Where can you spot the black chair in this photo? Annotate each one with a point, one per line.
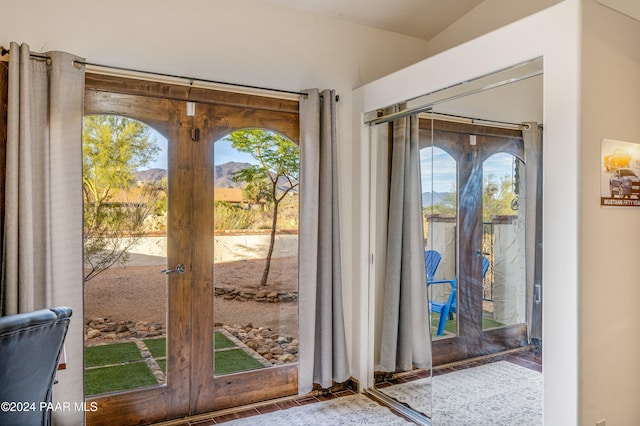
(30, 347)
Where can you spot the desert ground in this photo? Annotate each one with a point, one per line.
(138, 293)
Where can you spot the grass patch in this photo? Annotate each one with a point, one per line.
(221, 341)
(111, 354)
(119, 377)
(134, 372)
(157, 347)
(234, 360)
(451, 325)
(489, 323)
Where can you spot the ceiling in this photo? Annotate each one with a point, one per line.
(425, 19)
(416, 18)
(628, 7)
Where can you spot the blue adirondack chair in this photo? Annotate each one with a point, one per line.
(431, 262)
(448, 308)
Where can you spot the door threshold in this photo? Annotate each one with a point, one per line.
(344, 389)
(482, 357)
(399, 408)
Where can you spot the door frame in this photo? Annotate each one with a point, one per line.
(454, 138)
(191, 387)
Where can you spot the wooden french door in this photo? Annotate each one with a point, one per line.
(191, 130)
(470, 146)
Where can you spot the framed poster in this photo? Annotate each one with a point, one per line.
(620, 174)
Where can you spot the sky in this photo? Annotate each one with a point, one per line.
(437, 162)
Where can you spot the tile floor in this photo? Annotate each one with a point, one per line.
(530, 357)
(214, 419)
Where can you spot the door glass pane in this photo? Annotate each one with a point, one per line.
(125, 210)
(503, 241)
(439, 201)
(255, 251)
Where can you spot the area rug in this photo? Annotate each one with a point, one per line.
(496, 394)
(346, 410)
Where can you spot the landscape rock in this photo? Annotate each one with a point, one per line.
(92, 333)
(275, 347)
(106, 329)
(230, 293)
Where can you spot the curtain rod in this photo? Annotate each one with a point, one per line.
(190, 79)
(4, 51)
(472, 120)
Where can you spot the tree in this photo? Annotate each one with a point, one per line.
(114, 147)
(497, 197)
(257, 188)
(447, 207)
(278, 162)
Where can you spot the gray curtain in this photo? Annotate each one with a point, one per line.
(43, 198)
(42, 241)
(406, 338)
(322, 353)
(532, 136)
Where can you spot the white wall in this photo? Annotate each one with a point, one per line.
(609, 290)
(243, 41)
(523, 40)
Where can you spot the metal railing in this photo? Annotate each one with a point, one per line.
(487, 249)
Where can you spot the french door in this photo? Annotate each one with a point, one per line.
(191, 120)
(482, 323)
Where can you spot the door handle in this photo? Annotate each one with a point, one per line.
(180, 269)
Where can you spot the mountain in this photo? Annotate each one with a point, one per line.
(433, 198)
(149, 176)
(223, 176)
